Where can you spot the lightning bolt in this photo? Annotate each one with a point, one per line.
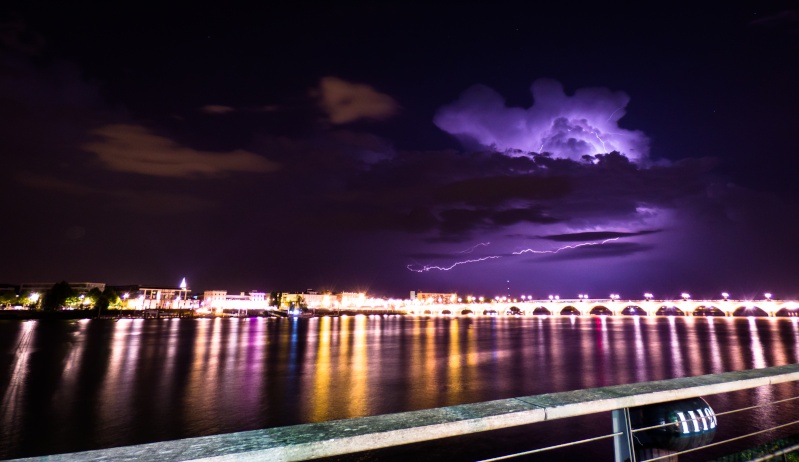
(565, 247)
(611, 114)
(472, 248)
(604, 149)
(426, 268)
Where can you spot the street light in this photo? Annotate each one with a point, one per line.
(768, 295)
(685, 296)
(725, 295)
(648, 296)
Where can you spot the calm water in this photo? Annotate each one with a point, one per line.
(71, 386)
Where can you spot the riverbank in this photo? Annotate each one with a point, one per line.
(158, 314)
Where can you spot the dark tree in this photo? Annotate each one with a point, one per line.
(102, 299)
(99, 300)
(111, 295)
(8, 298)
(56, 297)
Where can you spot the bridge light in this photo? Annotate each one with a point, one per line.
(685, 296)
(648, 296)
(551, 297)
(768, 295)
(557, 297)
(725, 295)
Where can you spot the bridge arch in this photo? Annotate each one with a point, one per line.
(427, 312)
(570, 311)
(490, 312)
(708, 310)
(541, 311)
(633, 310)
(669, 310)
(787, 312)
(514, 311)
(749, 311)
(446, 312)
(467, 312)
(600, 310)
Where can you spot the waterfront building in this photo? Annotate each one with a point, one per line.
(351, 299)
(152, 298)
(307, 299)
(326, 300)
(218, 301)
(430, 297)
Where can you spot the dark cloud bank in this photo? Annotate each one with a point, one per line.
(338, 206)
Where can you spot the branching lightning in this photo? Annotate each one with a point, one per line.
(425, 268)
(604, 149)
(472, 248)
(565, 247)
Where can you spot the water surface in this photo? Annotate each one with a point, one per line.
(75, 385)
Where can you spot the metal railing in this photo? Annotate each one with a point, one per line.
(340, 437)
(625, 436)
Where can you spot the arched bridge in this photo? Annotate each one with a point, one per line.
(611, 307)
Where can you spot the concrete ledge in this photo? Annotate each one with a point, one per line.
(309, 441)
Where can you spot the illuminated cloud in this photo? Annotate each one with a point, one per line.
(132, 148)
(595, 235)
(346, 102)
(585, 123)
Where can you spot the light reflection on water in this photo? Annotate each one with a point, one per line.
(70, 386)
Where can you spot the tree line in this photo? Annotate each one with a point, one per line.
(60, 296)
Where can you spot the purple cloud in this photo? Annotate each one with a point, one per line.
(585, 123)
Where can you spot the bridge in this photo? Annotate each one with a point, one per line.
(611, 307)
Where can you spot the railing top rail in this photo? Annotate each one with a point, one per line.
(323, 439)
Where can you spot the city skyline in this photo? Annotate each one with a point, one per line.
(495, 149)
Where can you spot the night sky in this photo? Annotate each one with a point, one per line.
(398, 146)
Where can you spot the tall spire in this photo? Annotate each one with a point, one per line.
(183, 285)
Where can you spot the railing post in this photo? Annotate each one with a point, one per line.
(622, 444)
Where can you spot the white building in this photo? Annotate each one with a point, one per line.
(162, 298)
(218, 301)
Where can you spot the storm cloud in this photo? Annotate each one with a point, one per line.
(586, 123)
